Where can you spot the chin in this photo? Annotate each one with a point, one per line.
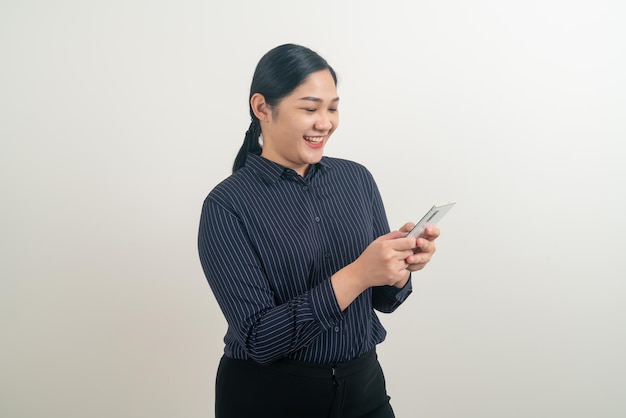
(314, 159)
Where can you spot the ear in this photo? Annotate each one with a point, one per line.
(260, 109)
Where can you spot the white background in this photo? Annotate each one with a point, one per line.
(118, 117)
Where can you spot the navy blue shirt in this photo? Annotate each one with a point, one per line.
(269, 241)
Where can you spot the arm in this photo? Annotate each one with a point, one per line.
(387, 298)
(389, 274)
(380, 266)
(265, 330)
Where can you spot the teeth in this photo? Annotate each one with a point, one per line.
(314, 139)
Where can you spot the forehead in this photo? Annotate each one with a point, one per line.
(319, 84)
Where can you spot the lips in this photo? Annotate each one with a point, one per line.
(314, 140)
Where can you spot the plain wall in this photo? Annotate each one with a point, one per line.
(118, 117)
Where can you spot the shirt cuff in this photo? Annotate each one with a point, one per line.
(395, 296)
(404, 292)
(324, 305)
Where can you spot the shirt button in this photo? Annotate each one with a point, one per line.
(317, 219)
(336, 329)
(327, 255)
(305, 188)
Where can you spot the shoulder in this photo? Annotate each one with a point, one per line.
(342, 163)
(347, 168)
(233, 187)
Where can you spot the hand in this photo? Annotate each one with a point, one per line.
(424, 247)
(388, 260)
(383, 261)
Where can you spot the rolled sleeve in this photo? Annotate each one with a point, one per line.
(388, 298)
(324, 305)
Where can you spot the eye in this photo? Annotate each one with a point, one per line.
(333, 110)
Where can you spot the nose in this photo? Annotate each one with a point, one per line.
(324, 122)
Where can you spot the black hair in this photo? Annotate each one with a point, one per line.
(280, 71)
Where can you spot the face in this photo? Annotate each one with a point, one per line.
(296, 131)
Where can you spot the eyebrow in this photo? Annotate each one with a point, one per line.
(317, 99)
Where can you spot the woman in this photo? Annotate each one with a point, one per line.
(297, 250)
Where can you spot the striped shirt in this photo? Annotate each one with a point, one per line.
(269, 240)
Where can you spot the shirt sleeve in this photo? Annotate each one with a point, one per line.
(265, 331)
(385, 298)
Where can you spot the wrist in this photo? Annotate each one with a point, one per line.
(346, 285)
(400, 284)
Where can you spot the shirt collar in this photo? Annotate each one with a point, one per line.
(271, 171)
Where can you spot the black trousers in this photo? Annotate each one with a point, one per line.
(292, 389)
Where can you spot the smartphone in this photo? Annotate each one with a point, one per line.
(433, 216)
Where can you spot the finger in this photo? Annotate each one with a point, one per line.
(411, 267)
(401, 242)
(391, 236)
(406, 228)
(425, 246)
(431, 233)
(415, 266)
(422, 258)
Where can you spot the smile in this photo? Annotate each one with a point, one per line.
(314, 139)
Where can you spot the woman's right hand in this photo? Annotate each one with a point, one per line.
(383, 263)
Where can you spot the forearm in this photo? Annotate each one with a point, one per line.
(271, 332)
(279, 332)
(347, 285)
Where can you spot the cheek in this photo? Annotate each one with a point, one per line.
(289, 129)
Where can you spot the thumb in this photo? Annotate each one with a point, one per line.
(392, 235)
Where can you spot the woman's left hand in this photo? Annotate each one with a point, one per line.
(424, 247)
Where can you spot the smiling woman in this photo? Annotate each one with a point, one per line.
(296, 129)
(297, 250)
(278, 74)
